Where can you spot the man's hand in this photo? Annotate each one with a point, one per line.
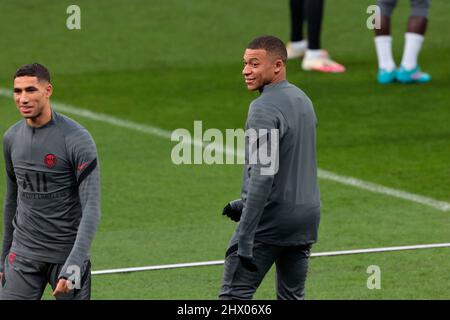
(233, 210)
(248, 264)
(62, 287)
(1, 276)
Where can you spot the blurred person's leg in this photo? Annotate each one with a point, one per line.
(296, 48)
(297, 8)
(409, 70)
(315, 58)
(314, 9)
(383, 43)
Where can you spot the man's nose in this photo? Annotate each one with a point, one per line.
(23, 98)
(246, 70)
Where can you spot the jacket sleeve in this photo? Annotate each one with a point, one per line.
(262, 141)
(10, 204)
(87, 172)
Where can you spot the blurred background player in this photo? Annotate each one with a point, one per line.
(409, 71)
(314, 59)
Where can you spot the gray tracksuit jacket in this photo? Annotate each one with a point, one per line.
(281, 208)
(52, 202)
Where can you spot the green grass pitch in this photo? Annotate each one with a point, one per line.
(168, 63)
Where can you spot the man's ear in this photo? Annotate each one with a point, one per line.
(49, 90)
(278, 65)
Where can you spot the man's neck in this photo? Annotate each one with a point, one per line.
(281, 76)
(44, 118)
(274, 81)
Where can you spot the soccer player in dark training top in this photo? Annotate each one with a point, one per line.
(279, 211)
(52, 202)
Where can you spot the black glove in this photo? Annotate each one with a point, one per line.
(233, 210)
(248, 264)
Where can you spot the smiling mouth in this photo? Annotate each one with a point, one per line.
(26, 109)
(249, 80)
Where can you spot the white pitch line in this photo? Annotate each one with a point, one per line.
(323, 174)
(160, 267)
(315, 255)
(376, 188)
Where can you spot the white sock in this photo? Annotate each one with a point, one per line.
(413, 44)
(312, 54)
(299, 45)
(383, 45)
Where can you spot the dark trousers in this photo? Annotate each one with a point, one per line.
(312, 12)
(291, 266)
(26, 279)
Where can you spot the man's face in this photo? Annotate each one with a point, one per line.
(31, 96)
(259, 68)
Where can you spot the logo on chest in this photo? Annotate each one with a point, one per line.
(50, 160)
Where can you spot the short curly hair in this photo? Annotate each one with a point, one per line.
(33, 70)
(271, 44)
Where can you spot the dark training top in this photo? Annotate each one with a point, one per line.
(281, 208)
(52, 203)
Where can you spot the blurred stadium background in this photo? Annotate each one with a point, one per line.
(167, 63)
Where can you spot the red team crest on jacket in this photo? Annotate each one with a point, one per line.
(12, 257)
(50, 161)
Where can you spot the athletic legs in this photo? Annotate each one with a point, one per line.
(26, 279)
(409, 70)
(292, 268)
(238, 282)
(291, 264)
(23, 279)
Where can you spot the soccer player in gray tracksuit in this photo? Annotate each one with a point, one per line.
(52, 203)
(280, 211)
